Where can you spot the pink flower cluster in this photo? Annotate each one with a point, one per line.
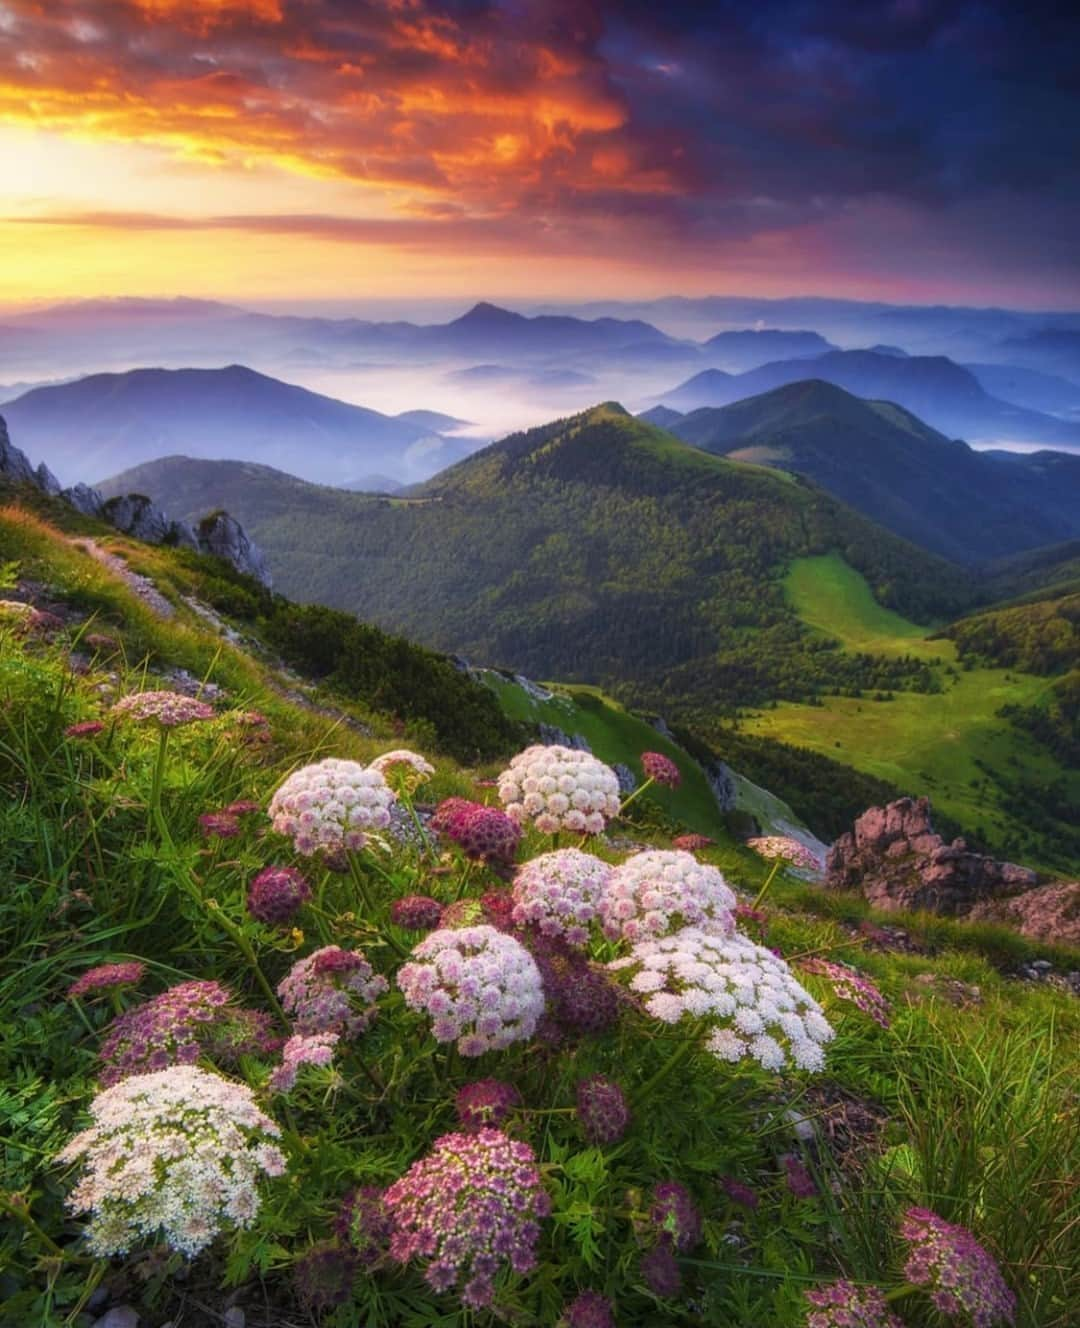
(485, 1102)
(560, 788)
(480, 987)
(403, 770)
(842, 1304)
(87, 728)
(331, 805)
(482, 833)
(302, 1049)
(962, 1277)
(364, 1222)
(276, 895)
(580, 998)
(589, 1309)
(169, 709)
(560, 893)
(332, 991)
(107, 977)
(658, 891)
(850, 985)
(471, 1206)
(661, 769)
(747, 994)
(601, 1110)
(675, 1216)
(788, 849)
(692, 843)
(176, 1154)
(416, 913)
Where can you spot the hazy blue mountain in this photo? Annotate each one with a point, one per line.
(742, 350)
(98, 424)
(662, 416)
(1029, 387)
(939, 493)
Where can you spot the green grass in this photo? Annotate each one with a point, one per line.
(950, 745)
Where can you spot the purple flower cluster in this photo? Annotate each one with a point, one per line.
(482, 833)
(485, 1103)
(323, 1275)
(87, 728)
(276, 895)
(580, 998)
(589, 1309)
(169, 709)
(843, 1305)
(107, 977)
(469, 1207)
(219, 825)
(331, 991)
(661, 769)
(560, 893)
(962, 1276)
(675, 1215)
(170, 1029)
(739, 1193)
(601, 1110)
(850, 985)
(416, 913)
(365, 1224)
(799, 1180)
(302, 1049)
(661, 1272)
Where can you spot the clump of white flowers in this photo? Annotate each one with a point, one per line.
(659, 891)
(560, 788)
(751, 1002)
(560, 893)
(481, 988)
(177, 1155)
(403, 770)
(331, 805)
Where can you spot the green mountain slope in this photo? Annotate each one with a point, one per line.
(599, 549)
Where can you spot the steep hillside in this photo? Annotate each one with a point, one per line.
(95, 426)
(889, 465)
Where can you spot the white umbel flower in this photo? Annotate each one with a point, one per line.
(560, 893)
(331, 805)
(560, 788)
(657, 892)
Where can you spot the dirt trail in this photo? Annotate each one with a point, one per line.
(154, 600)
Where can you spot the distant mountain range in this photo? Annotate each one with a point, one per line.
(944, 394)
(966, 505)
(92, 427)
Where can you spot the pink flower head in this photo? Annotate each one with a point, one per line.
(276, 895)
(302, 1049)
(331, 805)
(963, 1279)
(403, 770)
(560, 894)
(332, 991)
(242, 807)
(486, 1102)
(219, 825)
(661, 769)
(473, 1205)
(601, 1110)
(787, 849)
(169, 1029)
(169, 709)
(447, 810)
(88, 728)
(799, 1181)
(482, 833)
(654, 893)
(842, 1304)
(739, 1193)
(850, 985)
(589, 1309)
(107, 977)
(560, 788)
(416, 913)
(675, 1216)
(660, 1272)
(692, 843)
(480, 987)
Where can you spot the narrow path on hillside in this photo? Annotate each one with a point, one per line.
(142, 586)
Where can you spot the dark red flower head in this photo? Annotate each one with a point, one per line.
(661, 769)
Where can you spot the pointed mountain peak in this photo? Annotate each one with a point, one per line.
(488, 315)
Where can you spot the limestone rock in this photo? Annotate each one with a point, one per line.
(1050, 914)
(14, 464)
(223, 536)
(135, 515)
(84, 499)
(895, 858)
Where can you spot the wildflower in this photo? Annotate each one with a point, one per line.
(168, 1029)
(302, 1049)
(799, 1181)
(276, 895)
(589, 1309)
(675, 1215)
(107, 977)
(469, 1207)
(331, 805)
(87, 728)
(487, 1102)
(560, 893)
(365, 1223)
(332, 991)
(850, 985)
(178, 1152)
(751, 1002)
(467, 912)
(323, 1275)
(416, 913)
(661, 769)
(481, 988)
(601, 1110)
(660, 1272)
(219, 825)
(692, 843)
(787, 849)
(841, 1304)
(560, 788)
(658, 891)
(961, 1276)
(403, 770)
(447, 810)
(99, 641)
(739, 1193)
(480, 832)
(168, 709)
(240, 1033)
(243, 807)
(579, 996)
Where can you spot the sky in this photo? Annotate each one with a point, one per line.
(919, 150)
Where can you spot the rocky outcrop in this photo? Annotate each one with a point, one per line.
(553, 736)
(1050, 914)
(134, 514)
(894, 857)
(224, 537)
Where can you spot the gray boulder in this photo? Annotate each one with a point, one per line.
(14, 464)
(224, 537)
(135, 515)
(84, 499)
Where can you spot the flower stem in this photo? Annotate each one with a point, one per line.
(671, 1064)
(369, 906)
(159, 772)
(768, 882)
(636, 794)
(246, 949)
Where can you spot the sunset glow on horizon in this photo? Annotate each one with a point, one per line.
(316, 149)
